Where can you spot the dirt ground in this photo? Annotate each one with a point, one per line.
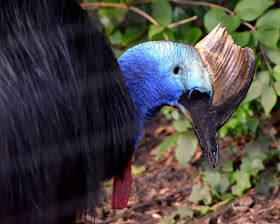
(165, 185)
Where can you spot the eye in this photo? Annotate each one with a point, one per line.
(196, 94)
(176, 70)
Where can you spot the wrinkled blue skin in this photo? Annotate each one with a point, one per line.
(151, 80)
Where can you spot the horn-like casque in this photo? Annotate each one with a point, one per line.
(230, 66)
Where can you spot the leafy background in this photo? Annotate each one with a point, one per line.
(251, 23)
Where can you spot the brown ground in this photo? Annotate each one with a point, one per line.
(160, 190)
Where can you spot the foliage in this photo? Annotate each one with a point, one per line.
(255, 24)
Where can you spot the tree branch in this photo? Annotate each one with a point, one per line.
(90, 6)
(170, 26)
(203, 4)
(267, 64)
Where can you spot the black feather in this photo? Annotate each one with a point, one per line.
(66, 118)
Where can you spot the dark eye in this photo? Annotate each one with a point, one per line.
(176, 70)
(196, 95)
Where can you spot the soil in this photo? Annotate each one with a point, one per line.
(165, 185)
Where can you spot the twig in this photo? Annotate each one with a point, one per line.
(267, 64)
(165, 36)
(211, 5)
(204, 4)
(170, 26)
(275, 141)
(90, 6)
(150, 202)
(249, 25)
(276, 203)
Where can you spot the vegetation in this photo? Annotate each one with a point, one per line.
(255, 24)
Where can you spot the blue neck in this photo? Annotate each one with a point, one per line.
(146, 106)
(144, 94)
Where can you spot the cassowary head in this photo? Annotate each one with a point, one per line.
(206, 82)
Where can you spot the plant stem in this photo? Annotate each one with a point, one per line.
(170, 26)
(203, 4)
(267, 64)
(90, 6)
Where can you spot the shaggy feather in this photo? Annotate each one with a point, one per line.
(64, 110)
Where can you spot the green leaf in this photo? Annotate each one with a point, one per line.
(242, 183)
(115, 38)
(153, 30)
(132, 32)
(204, 210)
(254, 91)
(268, 100)
(264, 77)
(249, 10)
(166, 144)
(228, 166)
(118, 52)
(206, 195)
(241, 38)
(181, 125)
(262, 188)
(185, 212)
(273, 56)
(270, 18)
(253, 124)
(268, 36)
(276, 73)
(162, 12)
(111, 17)
(170, 34)
(230, 22)
(267, 181)
(251, 165)
(277, 88)
(182, 30)
(136, 170)
(215, 16)
(226, 196)
(193, 35)
(195, 195)
(187, 143)
(218, 182)
(212, 18)
(255, 150)
(223, 131)
(253, 42)
(200, 194)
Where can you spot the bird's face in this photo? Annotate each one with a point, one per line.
(206, 82)
(190, 89)
(211, 98)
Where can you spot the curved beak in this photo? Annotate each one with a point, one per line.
(204, 127)
(209, 143)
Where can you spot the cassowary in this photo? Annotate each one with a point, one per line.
(71, 115)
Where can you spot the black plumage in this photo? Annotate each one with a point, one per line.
(64, 110)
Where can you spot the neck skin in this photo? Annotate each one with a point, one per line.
(144, 95)
(145, 102)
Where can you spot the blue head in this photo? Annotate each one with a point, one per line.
(206, 83)
(159, 73)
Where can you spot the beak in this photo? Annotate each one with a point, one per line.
(209, 143)
(204, 127)
(231, 70)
